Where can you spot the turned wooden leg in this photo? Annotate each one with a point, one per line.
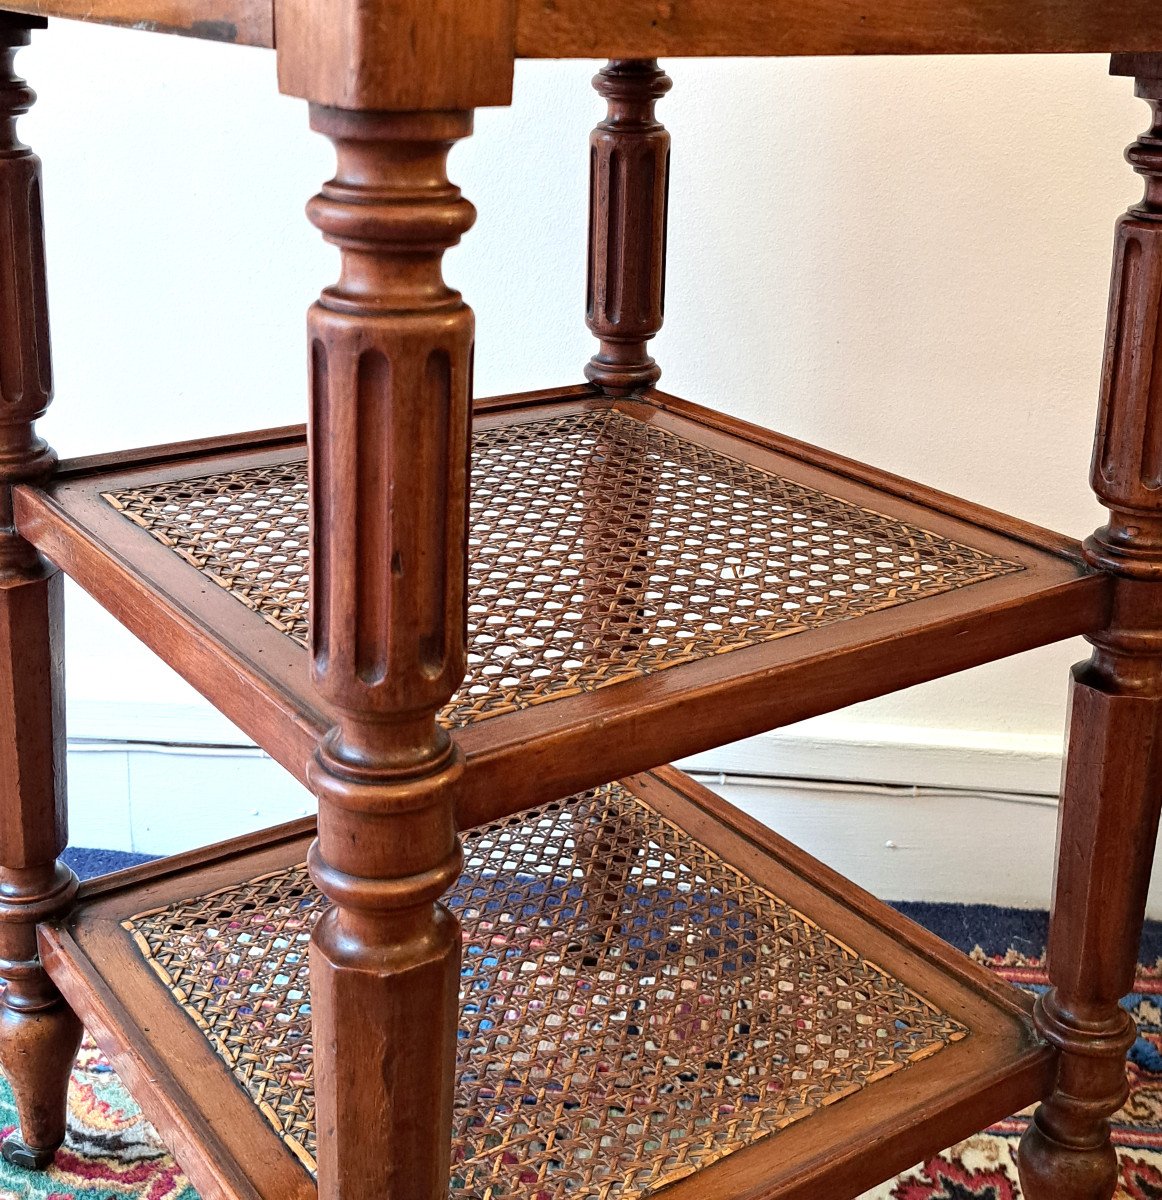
(39, 1035)
(1108, 823)
(391, 349)
(629, 164)
(1112, 787)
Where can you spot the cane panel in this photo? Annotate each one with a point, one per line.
(602, 548)
(633, 1008)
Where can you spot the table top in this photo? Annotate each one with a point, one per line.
(675, 28)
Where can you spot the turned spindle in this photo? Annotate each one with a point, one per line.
(1112, 785)
(39, 1035)
(390, 353)
(629, 164)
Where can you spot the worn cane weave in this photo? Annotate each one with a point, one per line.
(633, 1008)
(602, 548)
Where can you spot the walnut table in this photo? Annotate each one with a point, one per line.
(517, 956)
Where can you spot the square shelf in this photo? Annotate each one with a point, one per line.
(647, 579)
(657, 993)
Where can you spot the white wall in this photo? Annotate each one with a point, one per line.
(906, 261)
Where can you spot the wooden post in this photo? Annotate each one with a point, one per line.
(391, 349)
(629, 164)
(39, 1035)
(1112, 787)
(389, 445)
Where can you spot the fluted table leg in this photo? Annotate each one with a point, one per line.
(629, 164)
(391, 349)
(1112, 787)
(39, 1035)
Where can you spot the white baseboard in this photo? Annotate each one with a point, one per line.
(161, 800)
(826, 748)
(986, 761)
(123, 722)
(914, 844)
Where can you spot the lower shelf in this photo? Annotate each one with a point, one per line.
(657, 993)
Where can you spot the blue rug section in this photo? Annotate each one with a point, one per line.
(88, 864)
(992, 928)
(988, 926)
(995, 929)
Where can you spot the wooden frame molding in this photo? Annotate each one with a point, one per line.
(627, 29)
(647, 28)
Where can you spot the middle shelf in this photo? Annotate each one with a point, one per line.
(647, 580)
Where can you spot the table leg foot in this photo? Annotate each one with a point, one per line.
(37, 1050)
(1053, 1170)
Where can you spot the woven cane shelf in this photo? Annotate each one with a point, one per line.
(654, 988)
(628, 562)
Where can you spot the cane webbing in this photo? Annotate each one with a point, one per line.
(602, 548)
(633, 1008)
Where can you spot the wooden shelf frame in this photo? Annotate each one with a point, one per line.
(641, 28)
(839, 1149)
(560, 746)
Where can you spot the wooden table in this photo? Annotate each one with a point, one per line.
(519, 956)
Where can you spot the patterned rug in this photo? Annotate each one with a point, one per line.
(113, 1153)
